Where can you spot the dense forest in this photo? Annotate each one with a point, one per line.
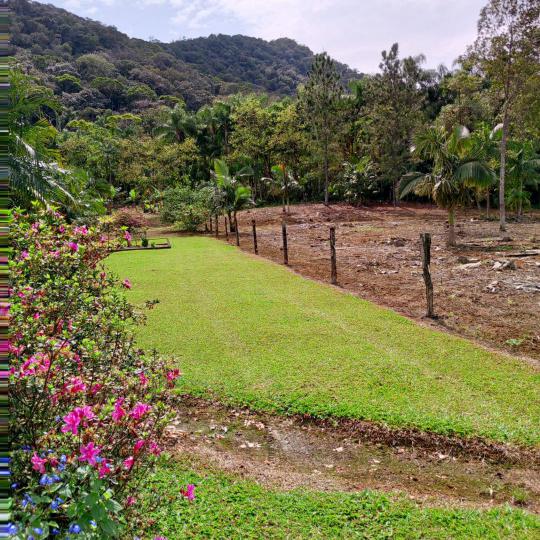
(93, 67)
(115, 119)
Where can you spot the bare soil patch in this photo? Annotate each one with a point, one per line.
(293, 452)
(486, 289)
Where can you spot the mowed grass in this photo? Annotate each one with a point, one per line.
(254, 333)
(229, 508)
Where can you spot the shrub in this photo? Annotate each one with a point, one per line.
(88, 407)
(131, 218)
(187, 208)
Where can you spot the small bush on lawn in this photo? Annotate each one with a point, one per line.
(187, 208)
(130, 218)
(88, 407)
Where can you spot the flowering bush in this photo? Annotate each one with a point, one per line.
(130, 218)
(88, 407)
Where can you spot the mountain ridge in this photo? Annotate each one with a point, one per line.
(93, 66)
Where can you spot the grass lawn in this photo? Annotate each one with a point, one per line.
(230, 508)
(254, 333)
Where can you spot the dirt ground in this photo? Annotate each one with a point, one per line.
(484, 289)
(290, 453)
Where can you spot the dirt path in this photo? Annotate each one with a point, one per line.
(287, 453)
(482, 290)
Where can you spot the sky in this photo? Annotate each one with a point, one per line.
(352, 31)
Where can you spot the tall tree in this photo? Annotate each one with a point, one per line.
(320, 98)
(394, 102)
(508, 52)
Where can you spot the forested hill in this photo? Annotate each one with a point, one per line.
(274, 66)
(95, 67)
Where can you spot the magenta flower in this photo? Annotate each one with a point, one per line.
(154, 449)
(118, 412)
(189, 492)
(71, 423)
(139, 410)
(138, 446)
(126, 283)
(127, 236)
(128, 463)
(104, 469)
(38, 464)
(24, 255)
(172, 376)
(143, 379)
(81, 230)
(76, 385)
(130, 501)
(89, 453)
(73, 246)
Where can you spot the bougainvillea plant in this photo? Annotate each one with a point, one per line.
(88, 407)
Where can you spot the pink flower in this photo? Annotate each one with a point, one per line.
(130, 501)
(76, 385)
(71, 423)
(139, 410)
(73, 246)
(127, 236)
(172, 376)
(128, 463)
(138, 446)
(89, 453)
(104, 469)
(143, 379)
(154, 449)
(189, 492)
(118, 412)
(96, 388)
(36, 315)
(81, 230)
(38, 464)
(74, 418)
(126, 283)
(24, 255)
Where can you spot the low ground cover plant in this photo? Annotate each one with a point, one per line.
(88, 406)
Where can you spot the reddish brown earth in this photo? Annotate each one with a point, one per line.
(378, 258)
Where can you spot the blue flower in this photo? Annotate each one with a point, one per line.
(93, 523)
(30, 538)
(14, 485)
(38, 530)
(56, 503)
(63, 458)
(27, 500)
(12, 528)
(55, 531)
(61, 467)
(74, 528)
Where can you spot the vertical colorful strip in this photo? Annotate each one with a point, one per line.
(4, 272)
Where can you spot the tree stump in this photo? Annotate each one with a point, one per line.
(333, 263)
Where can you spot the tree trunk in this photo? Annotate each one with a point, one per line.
(502, 178)
(231, 223)
(451, 227)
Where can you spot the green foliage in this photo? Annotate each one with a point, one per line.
(188, 209)
(230, 507)
(282, 343)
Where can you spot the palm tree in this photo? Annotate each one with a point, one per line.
(457, 166)
(180, 125)
(282, 181)
(232, 195)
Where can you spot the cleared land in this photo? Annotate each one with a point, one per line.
(378, 256)
(228, 507)
(252, 332)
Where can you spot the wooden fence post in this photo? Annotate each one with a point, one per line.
(236, 231)
(285, 244)
(217, 226)
(333, 264)
(226, 228)
(255, 247)
(426, 261)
